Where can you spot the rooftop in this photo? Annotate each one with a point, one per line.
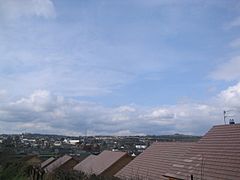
(57, 163)
(155, 160)
(98, 164)
(215, 156)
(47, 162)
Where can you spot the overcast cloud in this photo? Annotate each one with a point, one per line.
(48, 113)
(14, 9)
(118, 67)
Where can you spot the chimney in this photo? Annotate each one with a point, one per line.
(231, 121)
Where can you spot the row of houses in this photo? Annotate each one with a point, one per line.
(106, 164)
(215, 156)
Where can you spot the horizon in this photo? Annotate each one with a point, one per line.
(100, 135)
(121, 68)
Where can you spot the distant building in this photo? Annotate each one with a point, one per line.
(71, 141)
(141, 146)
(57, 143)
(74, 142)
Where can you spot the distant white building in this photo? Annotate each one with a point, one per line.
(57, 143)
(140, 146)
(71, 141)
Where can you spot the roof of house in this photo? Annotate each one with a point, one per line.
(29, 157)
(86, 164)
(47, 162)
(57, 163)
(32, 159)
(215, 156)
(155, 160)
(99, 164)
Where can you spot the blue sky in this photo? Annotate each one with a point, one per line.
(118, 67)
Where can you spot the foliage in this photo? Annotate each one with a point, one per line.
(73, 175)
(14, 171)
(10, 167)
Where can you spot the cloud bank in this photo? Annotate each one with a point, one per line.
(14, 9)
(48, 113)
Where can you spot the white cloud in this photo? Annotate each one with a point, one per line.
(64, 80)
(126, 109)
(162, 114)
(83, 68)
(128, 133)
(228, 71)
(235, 43)
(14, 9)
(234, 23)
(230, 97)
(47, 113)
(39, 101)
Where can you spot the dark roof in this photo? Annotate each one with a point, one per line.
(216, 156)
(33, 160)
(29, 157)
(99, 164)
(155, 160)
(85, 165)
(57, 163)
(47, 162)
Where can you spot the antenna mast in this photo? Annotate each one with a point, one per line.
(225, 115)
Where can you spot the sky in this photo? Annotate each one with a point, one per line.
(130, 67)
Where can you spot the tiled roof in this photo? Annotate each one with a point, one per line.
(98, 164)
(85, 165)
(57, 163)
(47, 162)
(216, 156)
(154, 161)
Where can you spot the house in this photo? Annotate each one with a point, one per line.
(47, 162)
(106, 163)
(32, 160)
(214, 157)
(86, 165)
(74, 141)
(71, 141)
(57, 143)
(38, 172)
(65, 163)
(154, 161)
